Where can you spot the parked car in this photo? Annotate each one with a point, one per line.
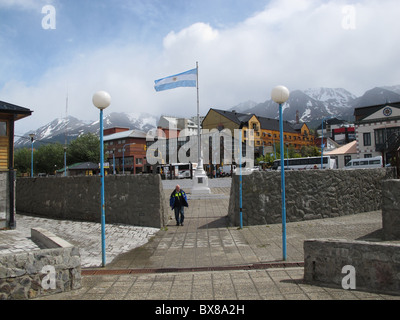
(366, 163)
(184, 174)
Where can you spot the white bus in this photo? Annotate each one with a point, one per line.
(305, 163)
(366, 163)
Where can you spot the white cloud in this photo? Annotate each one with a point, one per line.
(24, 4)
(300, 44)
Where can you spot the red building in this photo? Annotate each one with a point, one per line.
(127, 149)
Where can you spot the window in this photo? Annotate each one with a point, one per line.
(347, 159)
(367, 139)
(128, 161)
(387, 135)
(139, 161)
(3, 128)
(368, 155)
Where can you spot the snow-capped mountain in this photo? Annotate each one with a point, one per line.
(62, 129)
(376, 96)
(314, 104)
(340, 98)
(309, 106)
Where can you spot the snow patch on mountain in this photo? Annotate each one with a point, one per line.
(70, 128)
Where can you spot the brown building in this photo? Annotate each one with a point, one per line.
(127, 148)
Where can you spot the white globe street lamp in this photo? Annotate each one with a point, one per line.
(102, 100)
(280, 95)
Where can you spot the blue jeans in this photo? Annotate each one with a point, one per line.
(179, 210)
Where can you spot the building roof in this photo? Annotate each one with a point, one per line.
(265, 123)
(273, 124)
(125, 135)
(363, 112)
(350, 148)
(21, 112)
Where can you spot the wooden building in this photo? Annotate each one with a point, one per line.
(9, 113)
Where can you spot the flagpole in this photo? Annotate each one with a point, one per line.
(200, 179)
(198, 118)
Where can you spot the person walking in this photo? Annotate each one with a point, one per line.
(177, 202)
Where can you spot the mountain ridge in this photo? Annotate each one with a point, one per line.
(310, 105)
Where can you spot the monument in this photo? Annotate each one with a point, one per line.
(200, 180)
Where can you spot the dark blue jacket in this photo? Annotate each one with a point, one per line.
(178, 199)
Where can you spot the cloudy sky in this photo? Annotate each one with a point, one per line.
(244, 49)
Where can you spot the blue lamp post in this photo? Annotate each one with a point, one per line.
(280, 95)
(32, 136)
(102, 100)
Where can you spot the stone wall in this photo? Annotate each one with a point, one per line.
(311, 194)
(376, 265)
(391, 210)
(130, 199)
(25, 275)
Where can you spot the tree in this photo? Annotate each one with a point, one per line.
(22, 160)
(310, 151)
(86, 148)
(49, 158)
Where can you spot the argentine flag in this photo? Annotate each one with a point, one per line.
(185, 79)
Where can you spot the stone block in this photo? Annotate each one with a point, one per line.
(376, 265)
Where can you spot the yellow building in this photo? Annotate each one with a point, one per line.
(266, 130)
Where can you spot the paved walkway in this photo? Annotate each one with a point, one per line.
(206, 259)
